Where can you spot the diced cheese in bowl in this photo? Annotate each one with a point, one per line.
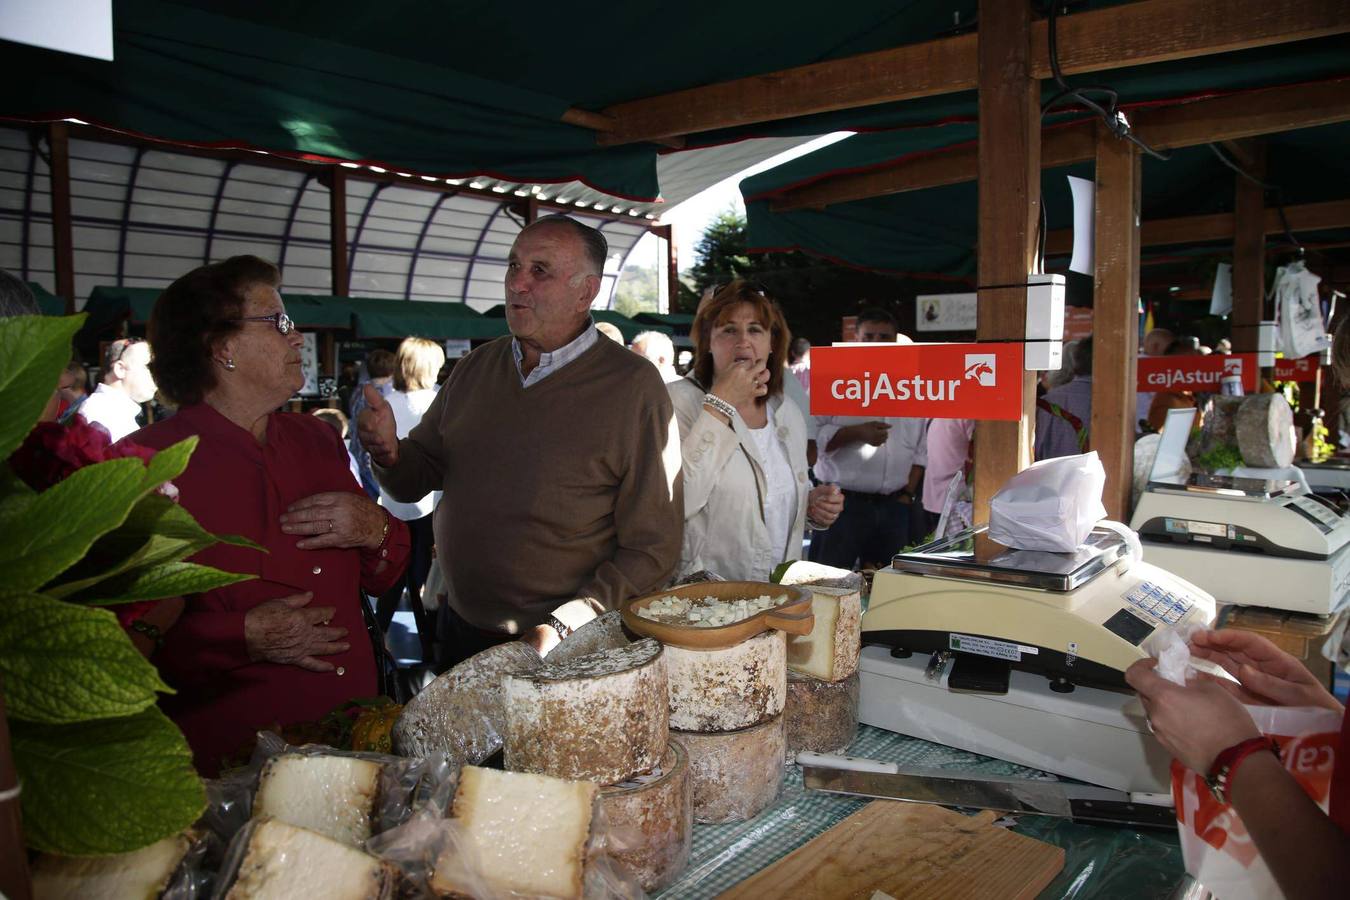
(706, 612)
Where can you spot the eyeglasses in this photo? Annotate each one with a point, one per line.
(283, 322)
(118, 349)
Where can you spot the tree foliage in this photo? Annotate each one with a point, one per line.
(815, 294)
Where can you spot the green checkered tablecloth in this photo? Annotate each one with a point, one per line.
(1099, 861)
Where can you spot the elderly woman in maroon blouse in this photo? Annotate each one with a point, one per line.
(291, 644)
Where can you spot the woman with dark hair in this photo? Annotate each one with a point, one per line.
(291, 644)
(747, 497)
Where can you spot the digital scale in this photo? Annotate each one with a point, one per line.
(1327, 477)
(1021, 654)
(1250, 542)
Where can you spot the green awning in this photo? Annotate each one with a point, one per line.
(420, 318)
(49, 303)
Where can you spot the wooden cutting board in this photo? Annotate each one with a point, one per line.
(911, 851)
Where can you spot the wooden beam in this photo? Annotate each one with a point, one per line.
(1219, 226)
(1115, 317)
(1244, 115)
(1130, 34)
(63, 244)
(1009, 191)
(1249, 253)
(337, 231)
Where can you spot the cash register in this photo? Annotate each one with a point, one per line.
(1248, 541)
(1020, 654)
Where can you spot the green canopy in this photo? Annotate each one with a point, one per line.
(404, 318)
(49, 303)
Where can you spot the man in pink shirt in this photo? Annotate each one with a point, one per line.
(948, 449)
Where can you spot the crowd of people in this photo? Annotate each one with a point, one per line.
(551, 475)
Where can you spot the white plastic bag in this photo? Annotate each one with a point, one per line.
(1298, 312)
(1215, 845)
(1052, 505)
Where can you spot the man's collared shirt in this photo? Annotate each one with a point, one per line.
(552, 362)
(114, 410)
(865, 468)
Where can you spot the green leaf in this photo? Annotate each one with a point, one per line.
(157, 532)
(35, 349)
(107, 786)
(171, 579)
(41, 535)
(63, 663)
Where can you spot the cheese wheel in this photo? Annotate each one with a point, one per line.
(821, 716)
(1265, 431)
(728, 689)
(283, 862)
(651, 824)
(830, 651)
(461, 712)
(601, 633)
(736, 774)
(526, 833)
(600, 718)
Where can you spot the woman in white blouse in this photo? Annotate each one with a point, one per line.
(415, 368)
(747, 497)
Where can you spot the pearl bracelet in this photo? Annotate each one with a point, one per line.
(720, 405)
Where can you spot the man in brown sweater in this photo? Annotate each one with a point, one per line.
(557, 452)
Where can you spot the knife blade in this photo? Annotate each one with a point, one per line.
(1081, 803)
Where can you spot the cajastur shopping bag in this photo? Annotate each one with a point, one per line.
(1214, 842)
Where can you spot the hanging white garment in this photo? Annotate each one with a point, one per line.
(1298, 312)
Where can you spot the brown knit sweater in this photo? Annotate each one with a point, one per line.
(566, 489)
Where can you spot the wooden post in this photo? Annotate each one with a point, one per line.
(531, 210)
(337, 231)
(672, 267)
(1249, 251)
(1009, 198)
(328, 353)
(63, 245)
(1115, 344)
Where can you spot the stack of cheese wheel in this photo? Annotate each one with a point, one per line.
(599, 712)
(726, 708)
(821, 712)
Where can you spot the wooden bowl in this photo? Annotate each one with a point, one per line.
(792, 615)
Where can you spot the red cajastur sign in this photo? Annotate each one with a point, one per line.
(1303, 369)
(935, 381)
(1196, 373)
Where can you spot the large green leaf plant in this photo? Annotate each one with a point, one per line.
(103, 770)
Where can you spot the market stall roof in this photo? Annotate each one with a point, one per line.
(49, 303)
(429, 88)
(932, 231)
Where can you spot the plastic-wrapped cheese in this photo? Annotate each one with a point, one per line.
(527, 834)
(821, 716)
(141, 873)
(333, 795)
(461, 711)
(601, 717)
(734, 775)
(283, 862)
(651, 821)
(728, 689)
